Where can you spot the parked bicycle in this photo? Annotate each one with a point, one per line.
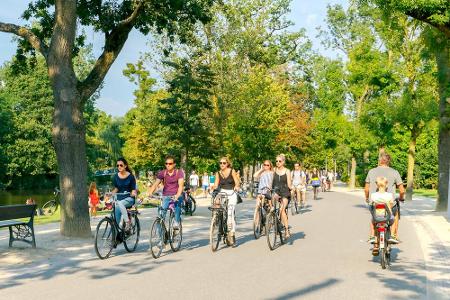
(160, 236)
(50, 207)
(219, 228)
(109, 234)
(274, 226)
(189, 204)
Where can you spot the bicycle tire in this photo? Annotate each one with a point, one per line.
(107, 236)
(157, 238)
(214, 232)
(175, 239)
(193, 205)
(257, 223)
(271, 231)
(49, 208)
(383, 258)
(294, 207)
(130, 243)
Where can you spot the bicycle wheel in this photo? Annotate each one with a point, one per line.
(132, 239)
(157, 238)
(271, 230)
(257, 223)
(104, 238)
(175, 235)
(383, 258)
(214, 232)
(193, 205)
(49, 208)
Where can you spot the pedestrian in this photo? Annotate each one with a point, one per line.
(94, 199)
(205, 183)
(212, 179)
(193, 181)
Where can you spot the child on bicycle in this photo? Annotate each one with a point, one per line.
(381, 196)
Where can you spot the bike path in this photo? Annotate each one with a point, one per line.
(326, 258)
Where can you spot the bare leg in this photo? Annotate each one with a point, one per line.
(299, 198)
(284, 218)
(303, 196)
(395, 226)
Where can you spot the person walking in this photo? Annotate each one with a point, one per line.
(194, 181)
(94, 199)
(205, 184)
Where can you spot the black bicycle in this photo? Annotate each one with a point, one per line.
(274, 226)
(259, 217)
(160, 236)
(219, 228)
(109, 234)
(51, 206)
(189, 204)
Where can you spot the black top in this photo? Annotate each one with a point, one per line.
(280, 185)
(123, 185)
(226, 183)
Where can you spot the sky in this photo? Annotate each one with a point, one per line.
(117, 97)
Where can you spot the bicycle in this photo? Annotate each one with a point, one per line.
(160, 236)
(189, 204)
(219, 227)
(274, 226)
(50, 207)
(260, 215)
(109, 234)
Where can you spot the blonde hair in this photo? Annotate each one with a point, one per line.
(282, 157)
(227, 160)
(270, 164)
(381, 183)
(93, 188)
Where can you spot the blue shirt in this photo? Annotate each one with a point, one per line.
(123, 185)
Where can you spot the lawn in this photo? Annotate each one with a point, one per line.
(425, 193)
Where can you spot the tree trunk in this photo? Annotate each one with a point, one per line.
(70, 146)
(411, 162)
(442, 58)
(352, 182)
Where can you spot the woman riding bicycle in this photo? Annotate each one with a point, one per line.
(282, 185)
(124, 182)
(265, 176)
(228, 182)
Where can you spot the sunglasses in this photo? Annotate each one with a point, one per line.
(279, 161)
(169, 164)
(119, 165)
(266, 165)
(223, 163)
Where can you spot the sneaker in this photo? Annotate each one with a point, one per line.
(371, 240)
(393, 239)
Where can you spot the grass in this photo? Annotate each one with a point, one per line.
(425, 193)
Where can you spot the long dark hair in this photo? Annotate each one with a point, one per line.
(127, 168)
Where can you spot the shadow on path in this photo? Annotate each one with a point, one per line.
(308, 290)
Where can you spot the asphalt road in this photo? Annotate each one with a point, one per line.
(326, 258)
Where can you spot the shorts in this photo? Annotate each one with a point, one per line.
(300, 187)
(205, 187)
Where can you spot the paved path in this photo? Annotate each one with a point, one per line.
(326, 258)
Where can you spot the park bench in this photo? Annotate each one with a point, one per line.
(19, 230)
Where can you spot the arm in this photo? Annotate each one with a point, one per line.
(154, 186)
(366, 191)
(289, 179)
(237, 181)
(133, 183)
(180, 187)
(258, 173)
(401, 190)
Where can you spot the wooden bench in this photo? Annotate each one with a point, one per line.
(19, 230)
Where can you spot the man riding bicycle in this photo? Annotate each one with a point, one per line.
(394, 181)
(173, 180)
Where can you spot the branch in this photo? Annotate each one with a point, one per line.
(444, 28)
(25, 33)
(114, 42)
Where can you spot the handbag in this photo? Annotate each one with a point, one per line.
(239, 198)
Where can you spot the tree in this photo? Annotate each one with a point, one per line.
(436, 14)
(187, 105)
(55, 37)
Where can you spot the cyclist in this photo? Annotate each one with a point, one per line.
(299, 183)
(124, 182)
(282, 184)
(173, 180)
(265, 176)
(394, 181)
(315, 182)
(228, 182)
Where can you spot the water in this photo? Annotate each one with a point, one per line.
(20, 197)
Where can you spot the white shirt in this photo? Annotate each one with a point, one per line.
(205, 180)
(194, 179)
(382, 197)
(298, 177)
